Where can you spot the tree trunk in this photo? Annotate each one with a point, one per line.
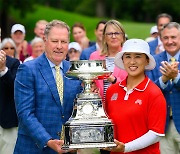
(100, 8)
(4, 24)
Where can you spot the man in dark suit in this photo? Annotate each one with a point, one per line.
(167, 76)
(156, 45)
(8, 117)
(41, 109)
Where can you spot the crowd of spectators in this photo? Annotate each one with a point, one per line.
(28, 67)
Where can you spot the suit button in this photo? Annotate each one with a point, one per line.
(62, 116)
(170, 92)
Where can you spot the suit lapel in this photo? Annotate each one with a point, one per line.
(156, 42)
(66, 65)
(164, 56)
(47, 74)
(179, 64)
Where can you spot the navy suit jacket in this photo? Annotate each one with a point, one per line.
(171, 92)
(8, 116)
(38, 105)
(153, 45)
(87, 52)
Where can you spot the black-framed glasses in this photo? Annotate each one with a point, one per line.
(6, 48)
(116, 34)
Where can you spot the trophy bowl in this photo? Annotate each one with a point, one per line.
(88, 127)
(88, 69)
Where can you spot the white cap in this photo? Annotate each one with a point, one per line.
(75, 46)
(17, 27)
(138, 46)
(153, 30)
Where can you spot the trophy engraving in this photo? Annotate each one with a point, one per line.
(88, 126)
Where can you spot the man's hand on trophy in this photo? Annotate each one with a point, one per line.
(120, 147)
(69, 151)
(56, 145)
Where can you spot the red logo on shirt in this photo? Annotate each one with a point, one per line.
(138, 101)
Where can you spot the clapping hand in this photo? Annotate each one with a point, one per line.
(169, 71)
(2, 60)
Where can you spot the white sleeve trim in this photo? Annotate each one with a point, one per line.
(2, 73)
(144, 141)
(157, 133)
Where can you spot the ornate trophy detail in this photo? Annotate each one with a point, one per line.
(88, 126)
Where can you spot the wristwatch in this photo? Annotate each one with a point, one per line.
(114, 80)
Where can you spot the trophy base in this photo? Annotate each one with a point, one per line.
(89, 145)
(89, 133)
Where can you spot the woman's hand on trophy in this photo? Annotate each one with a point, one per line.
(94, 88)
(112, 79)
(120, 147)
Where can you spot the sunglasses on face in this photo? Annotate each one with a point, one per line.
(6, 48)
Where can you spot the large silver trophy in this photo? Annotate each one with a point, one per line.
(88, 126)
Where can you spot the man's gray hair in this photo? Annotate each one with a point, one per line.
(55, 23)
(171, 25)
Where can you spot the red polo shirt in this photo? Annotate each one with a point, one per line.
(136, 112)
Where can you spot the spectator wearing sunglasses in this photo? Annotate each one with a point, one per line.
(9, 47)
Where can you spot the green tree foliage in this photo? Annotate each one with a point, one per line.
(137, 10)
(5, 5)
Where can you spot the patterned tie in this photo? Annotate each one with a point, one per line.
(59, 83)
(172, 60)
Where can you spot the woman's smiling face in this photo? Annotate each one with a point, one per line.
(134, 63)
